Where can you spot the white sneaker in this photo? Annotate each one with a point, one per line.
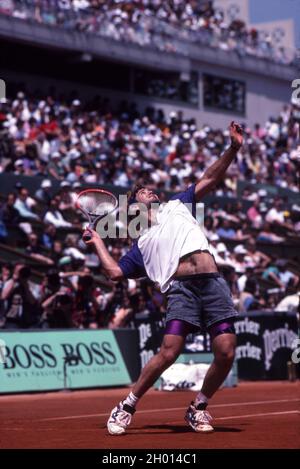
(199, 420)
(120, 418)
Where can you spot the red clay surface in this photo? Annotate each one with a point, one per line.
(252, 415)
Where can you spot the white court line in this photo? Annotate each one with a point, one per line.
(71, 417)
(258, 415)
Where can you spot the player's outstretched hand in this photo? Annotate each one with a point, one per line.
(90, 236)
(236, 134)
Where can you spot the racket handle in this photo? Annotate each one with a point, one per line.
(87, 237)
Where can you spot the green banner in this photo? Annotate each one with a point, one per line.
(35, 361)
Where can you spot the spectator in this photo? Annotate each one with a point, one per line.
(33, 250)
(66, 197)
(254, 215)
(286, 277)
(71, 247)
(289, 303)
(59, 309)
(8, 213)
(267, 234)
(54, 216)
(5, 275)
(23, 309)
(242, 280)
(239, 261)
(57, 251)
(256, 257)
(43, 194)
(55, 168)
(23, 208)
(226, 230)
(48, 236)
(86, 305)
(248, 299)
(276, 213)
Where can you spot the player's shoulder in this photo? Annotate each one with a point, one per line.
(185, 196)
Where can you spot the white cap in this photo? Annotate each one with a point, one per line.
(46, 183)
(239, 249)
(214, 237)
(65, 184)
(19, 163)
(221, 247)
(262, 193)
(74, 154)
(56, 154)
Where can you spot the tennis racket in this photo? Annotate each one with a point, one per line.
(95, 204)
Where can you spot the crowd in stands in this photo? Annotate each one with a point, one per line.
(169, 26)
(56, 281)
(61, 137)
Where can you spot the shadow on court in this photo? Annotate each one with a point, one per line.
(165, 428)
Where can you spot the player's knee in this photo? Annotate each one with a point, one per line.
(168, 354)
(225, 352)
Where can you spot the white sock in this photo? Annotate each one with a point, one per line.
(201, 399)
(131, 400)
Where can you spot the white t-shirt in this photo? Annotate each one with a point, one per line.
(274, 215)
(176, 234)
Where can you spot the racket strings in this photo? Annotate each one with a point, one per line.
(96, 203)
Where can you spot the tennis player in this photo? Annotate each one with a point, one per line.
(175, 253)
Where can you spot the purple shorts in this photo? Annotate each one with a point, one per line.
(182, 328)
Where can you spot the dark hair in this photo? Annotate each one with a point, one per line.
(25, 272)
(251, 285)
(131, 195)
(86, 281)
(53, 278)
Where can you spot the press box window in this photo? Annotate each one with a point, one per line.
(224, 93)
(167, 85)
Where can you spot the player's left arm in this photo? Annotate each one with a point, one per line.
(215, 173)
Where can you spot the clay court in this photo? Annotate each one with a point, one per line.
(252, 415)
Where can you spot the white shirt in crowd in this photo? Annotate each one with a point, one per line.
(274, 215)
(55, 218)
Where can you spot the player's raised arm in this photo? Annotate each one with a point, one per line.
(110, 266)
(214, 174)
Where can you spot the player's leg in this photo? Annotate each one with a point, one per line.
(223, 340)
(171, 347)
(169, 351)
(223, 348)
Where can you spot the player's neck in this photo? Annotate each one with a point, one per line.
(152, 216)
